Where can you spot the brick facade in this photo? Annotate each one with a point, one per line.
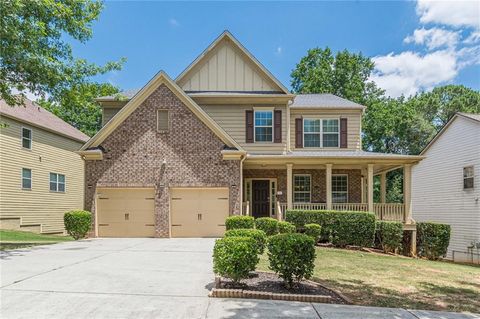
(135, 151)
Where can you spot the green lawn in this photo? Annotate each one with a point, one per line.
(390, 281)
(28, 237)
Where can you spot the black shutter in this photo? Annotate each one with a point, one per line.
(277, 131)
(298, 133)
(343, 133)
(249, 126)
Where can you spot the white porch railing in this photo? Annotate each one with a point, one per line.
(354, 207)
(389, 211)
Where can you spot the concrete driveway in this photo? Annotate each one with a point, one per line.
(142, 278)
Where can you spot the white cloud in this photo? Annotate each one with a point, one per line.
(433, 38)
(473, 38)
(279, 50)
(409, 72)
(452, 13)
(173, 22)
(29, 94)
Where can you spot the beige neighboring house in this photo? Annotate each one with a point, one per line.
(41, 176)
(446, 186)
(225, 137)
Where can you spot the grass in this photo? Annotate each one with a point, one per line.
(15, 238)
(390, 281)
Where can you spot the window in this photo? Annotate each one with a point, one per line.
(321, 133)
(340, 188)
(162, 120)
(301, 188)
(57, 182)
(26, 178)
(468, 177)
(26, 138)
(263, 126)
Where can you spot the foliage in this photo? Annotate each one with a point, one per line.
(341, 228)
(257, 234)
(77, 105)
(235, 257)
(291, 256)
(432, 240)
(314, 231)
(267, 224)
(389, 235)
(239, 222)
(77, 223)
(286, 227)
(35, 55)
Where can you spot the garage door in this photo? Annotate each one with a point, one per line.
(198, 212)
(126, 212)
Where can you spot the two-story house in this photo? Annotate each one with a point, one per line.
(226, 137)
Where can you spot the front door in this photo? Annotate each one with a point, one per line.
(260, 198)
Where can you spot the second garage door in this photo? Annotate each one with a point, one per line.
(198, 212)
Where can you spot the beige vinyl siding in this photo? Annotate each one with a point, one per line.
(354, 123)
(226, 68)
(438, 194)
(232, 119)
(50, 153)
(108, 113)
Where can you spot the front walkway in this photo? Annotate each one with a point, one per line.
(142, 278)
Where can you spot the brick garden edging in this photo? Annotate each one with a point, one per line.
(252, 294)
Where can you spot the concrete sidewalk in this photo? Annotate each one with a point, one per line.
(143, 278)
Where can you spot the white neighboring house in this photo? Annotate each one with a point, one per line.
(446, 184)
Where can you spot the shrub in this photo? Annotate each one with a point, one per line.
(235, 257)
(257, 234)
(268, 225)
(314, 231)
(341, 228)
(239, 222)
(286, 227)
(432, 240)
(389, 235)
(77, 223)
(291, 256)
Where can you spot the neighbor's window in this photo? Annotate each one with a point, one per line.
(26, 178)
(162, 120)
(340, 188)
(263, 126)
(321, 133)
(301, 188)
(57, 182)
(26, 138)
(468, 179)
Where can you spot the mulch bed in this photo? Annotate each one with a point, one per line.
(270, 282)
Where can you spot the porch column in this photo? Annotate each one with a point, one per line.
(289, 186)
(370, 187)
(383, 187)
(328, 180)
(407, 191)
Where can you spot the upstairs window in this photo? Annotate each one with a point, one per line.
(468, 177)
(57, 182)
(321, 133)
(263, 126)
(340, 188)
(26, 178)
(302, 188)
(162, 121)
(26, 138)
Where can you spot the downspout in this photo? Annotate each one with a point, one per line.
(244, 157)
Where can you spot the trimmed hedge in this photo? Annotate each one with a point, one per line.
(432, 240)
(341, 228)
(77, 223)
(389, 235)
(286, 227)
(257, 234)
(314, 231)
(239, 222)
(267, 224)
(235, 257)
(291, 256)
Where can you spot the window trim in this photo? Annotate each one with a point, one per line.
(293, 188)
(23, 138)
(57, 183)
(321, 119)
(346, 192)
(168, 121)
(258, 109)
(22, 178)
(468, 177)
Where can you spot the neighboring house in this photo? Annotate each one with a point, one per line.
(447, 182)
(226, 137)
(41, 176)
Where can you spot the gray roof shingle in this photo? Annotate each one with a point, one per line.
(323, 101)
(335, 154)
(473, 116)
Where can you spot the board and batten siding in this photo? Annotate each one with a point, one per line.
(50, 153)
(437, 185)
(354, 124)
(232, 119)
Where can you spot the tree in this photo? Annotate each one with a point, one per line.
(78, 107)
(34, 55)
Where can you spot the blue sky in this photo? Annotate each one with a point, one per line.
(416, 45)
